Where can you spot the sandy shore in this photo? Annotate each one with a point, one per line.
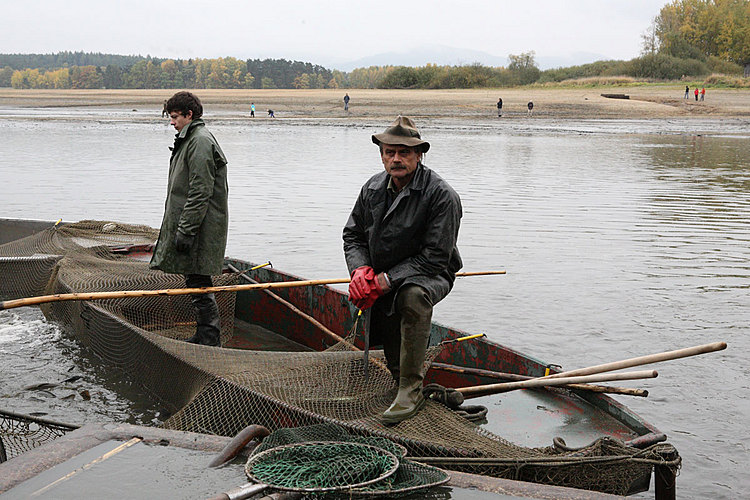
(643, 103)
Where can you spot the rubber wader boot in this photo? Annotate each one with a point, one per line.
(415, 335)
(208, 329)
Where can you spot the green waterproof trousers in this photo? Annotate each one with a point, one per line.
(406, 335)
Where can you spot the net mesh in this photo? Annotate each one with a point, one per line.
(321, 466)
(220, 391)
(21, 433)
(408, 478)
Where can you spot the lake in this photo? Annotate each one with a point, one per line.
(620, 239)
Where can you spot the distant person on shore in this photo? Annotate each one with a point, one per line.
(164, 111)
(703, 93)
(346, 102)
(687, 92)
(270, 114)
(252, 110)
(499, 107)
(696, 94)
(530, 106)
(193, 234)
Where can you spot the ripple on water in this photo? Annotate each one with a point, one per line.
(616, 245)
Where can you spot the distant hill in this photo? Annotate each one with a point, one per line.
(452, 56)
(427, 54)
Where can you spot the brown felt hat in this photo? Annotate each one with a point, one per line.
(402, 132)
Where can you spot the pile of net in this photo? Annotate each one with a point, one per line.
(408, 478)
(220, 390)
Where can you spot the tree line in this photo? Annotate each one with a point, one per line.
(688, 38)
(63, 71)
(697, 37)
(700, 29)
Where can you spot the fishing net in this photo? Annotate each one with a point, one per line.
(279, 370)
(408, 478)
(321, 466)
(21, 433)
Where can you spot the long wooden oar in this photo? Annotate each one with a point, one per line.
(291, 307)
(61, 297)
(485, 390)
(515, 377)
(643, 360)
(332, 335)
(607, 367)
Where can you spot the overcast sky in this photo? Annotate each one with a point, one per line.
(325, 32)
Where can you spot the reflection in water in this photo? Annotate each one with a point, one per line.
(616, 245)
(698, 213)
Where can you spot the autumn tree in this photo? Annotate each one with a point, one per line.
(86, 77)
(58, 79)
(702, 28)
(302, 81)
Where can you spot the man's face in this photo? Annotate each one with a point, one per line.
(178, 120)
(400, 162)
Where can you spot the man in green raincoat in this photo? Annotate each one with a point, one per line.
(193, 233)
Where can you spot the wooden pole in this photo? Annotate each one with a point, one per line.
(486, 390)
(643, 360)
(61, 297)
(665, 477)
(295, 310)
(102, 458)
(480, 273)
(332, 335)
(515, 377)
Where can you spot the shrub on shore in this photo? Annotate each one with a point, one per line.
(715, 80)
(593, 81)
(724, 67)
(665, 67)
(727, 81)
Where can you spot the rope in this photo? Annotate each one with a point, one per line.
(454, 400)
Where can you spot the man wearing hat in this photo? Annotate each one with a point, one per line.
(400, 248)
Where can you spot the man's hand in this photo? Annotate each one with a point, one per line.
(359, 286)
(377, 285)
(182, 242)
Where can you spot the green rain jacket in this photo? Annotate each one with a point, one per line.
(197, 204)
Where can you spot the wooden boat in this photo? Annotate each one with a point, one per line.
(308, 319)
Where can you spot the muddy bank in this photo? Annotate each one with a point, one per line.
(367, 104)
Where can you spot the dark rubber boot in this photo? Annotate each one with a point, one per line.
(415, 308)
(208, 329)
(208, 324)
(392, 351)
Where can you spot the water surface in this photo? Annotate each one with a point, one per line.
(620, 239)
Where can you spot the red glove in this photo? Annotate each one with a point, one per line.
(378, 287)
(359, 286)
